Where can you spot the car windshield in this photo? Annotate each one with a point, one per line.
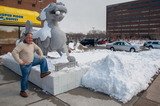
(127, 43)
(155, 43)
(149, 42)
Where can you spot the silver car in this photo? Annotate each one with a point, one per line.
(122, 46)
(152, 44)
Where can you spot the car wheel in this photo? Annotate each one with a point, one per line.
(150, 47)
(112, 49)
(132, 50)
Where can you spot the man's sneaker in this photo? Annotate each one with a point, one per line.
(45, 74)
(23, 94)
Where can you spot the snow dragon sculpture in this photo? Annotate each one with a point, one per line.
(51, 37)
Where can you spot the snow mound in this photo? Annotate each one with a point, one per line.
(77, 48)
(120, 77)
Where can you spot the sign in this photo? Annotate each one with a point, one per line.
(15, 16)
(10, 17)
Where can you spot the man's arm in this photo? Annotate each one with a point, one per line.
(38, 50)
(15, 53)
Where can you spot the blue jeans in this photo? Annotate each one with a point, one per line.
(26, 69)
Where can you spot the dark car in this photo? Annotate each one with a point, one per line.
(90, 42)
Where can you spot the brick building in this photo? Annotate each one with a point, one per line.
(34, 5)
(135, 19)
(13, 15)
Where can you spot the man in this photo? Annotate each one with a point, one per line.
(23, 53)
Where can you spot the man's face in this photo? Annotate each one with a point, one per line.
(29, 38)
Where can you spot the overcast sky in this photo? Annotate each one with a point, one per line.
(84, 15)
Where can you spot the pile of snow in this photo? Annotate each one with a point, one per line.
(71, 45)
(122, 74)
(118, 74)
(77, 48)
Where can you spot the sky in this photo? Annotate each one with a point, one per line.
(85, 15)
(119, 74)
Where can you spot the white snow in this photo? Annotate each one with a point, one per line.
(118, 74)
(122, 74)
(43, 33)
(43, 13)
(71, 45)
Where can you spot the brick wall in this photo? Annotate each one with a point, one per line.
(34, 5)
(5, 48)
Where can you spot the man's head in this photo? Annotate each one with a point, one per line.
(28, 38)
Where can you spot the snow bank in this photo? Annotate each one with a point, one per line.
(121, 74)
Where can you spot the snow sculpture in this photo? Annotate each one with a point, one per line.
(51, 37)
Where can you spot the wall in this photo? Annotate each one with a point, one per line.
(34, 5)
(138, 19)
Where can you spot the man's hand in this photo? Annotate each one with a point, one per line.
(23, 62)
(41, 57)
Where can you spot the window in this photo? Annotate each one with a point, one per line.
(122, 43)
(41, 0)
(117, 43)
(33, 5)
(155, 43)
(19, 1)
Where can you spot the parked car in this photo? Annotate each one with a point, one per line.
(90, 42)
(152, 44)
(147, 43)
(122, 46)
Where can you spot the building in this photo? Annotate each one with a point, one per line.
(135, 19)
(13, 15)
(33, 5)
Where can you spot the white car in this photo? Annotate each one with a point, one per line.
(122, 46)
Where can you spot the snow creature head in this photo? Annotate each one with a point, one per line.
(54, 11)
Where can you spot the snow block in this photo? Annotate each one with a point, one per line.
(60, 66)
(57, 82)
